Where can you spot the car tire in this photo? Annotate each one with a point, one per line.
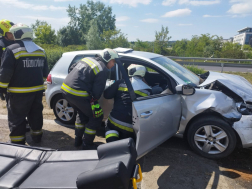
(63, 111)
(211, 137)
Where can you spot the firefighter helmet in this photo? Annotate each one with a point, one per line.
(5, 26)
(21, 31)
(108, 54)
(136, 70)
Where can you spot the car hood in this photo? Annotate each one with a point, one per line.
(237, 84)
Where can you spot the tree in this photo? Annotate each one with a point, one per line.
(37, 24)
(69, 35)
(114, 38)
(143, 46)
(80, 18)
(45, 34)
(161, 41)
(93, 38)
(180, 47)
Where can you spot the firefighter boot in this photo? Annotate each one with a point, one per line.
(86, 146)
(78, 141)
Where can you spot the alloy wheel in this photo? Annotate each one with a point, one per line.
(64, 111)
(211, 139)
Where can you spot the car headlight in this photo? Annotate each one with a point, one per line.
(242, 108)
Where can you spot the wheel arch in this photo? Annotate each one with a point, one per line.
(53, 98)
(214, 114)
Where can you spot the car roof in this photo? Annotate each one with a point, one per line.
(132, 53)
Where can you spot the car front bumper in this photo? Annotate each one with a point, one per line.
(244, 130)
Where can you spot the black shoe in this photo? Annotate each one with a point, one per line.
(89, 146)
(78, 141)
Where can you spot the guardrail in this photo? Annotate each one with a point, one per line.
(219, 62)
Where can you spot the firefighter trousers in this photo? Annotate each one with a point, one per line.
(116, 131)
(85, 123)
(21, 106)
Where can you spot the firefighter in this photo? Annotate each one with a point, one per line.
(119, 124)
(22, 74)
(6, 39)
(82, 88)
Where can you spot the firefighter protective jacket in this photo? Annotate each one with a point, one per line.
(3, 44)
(22, 72)
(122, 111)
(87, 78)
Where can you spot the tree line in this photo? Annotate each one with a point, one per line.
(92, 26)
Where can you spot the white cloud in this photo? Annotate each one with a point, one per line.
(178, 13)
(190, 2)
(63, 20)
(150, 20)
(24, 5)
(122, 18)
(185, 24)
(62, 0)
(212, 16)
(240, 7)
(169, 2)
(132, 3)
(120, 25)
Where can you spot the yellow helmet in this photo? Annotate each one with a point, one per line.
(5, 26)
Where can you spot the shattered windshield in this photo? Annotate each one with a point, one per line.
(178, 70)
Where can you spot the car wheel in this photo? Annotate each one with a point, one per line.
(211, 137)
(63, 111)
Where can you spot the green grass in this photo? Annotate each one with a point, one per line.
(195, 69)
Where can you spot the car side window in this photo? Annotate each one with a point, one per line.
(77, 59)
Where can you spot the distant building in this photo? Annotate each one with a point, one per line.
(244, 37)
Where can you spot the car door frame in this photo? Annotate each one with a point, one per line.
(126, 78)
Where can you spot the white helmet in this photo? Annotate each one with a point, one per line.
(21, 31)
(108, 54)
(136, 70)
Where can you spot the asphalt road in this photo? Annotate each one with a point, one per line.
(226, 69)
(171, 165)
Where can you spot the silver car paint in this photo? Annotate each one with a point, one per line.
(244, 130)
(236, 83)
(205, 99)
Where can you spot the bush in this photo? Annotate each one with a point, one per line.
(54, 52)
(195, 69)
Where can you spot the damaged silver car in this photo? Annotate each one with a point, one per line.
(212, 111)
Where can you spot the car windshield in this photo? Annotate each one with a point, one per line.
(178, 70)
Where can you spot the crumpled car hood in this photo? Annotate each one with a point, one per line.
(237, 84)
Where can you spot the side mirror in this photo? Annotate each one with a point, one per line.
(186, 90)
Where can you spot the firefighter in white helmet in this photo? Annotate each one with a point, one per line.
(24, 68)
(82, 88)
(119, 124)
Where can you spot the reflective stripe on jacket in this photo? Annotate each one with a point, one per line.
(87, 78)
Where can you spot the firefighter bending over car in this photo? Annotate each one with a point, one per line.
(82, 88)
(119, 124)
(23, 70)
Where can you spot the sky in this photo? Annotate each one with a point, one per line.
(140, 19)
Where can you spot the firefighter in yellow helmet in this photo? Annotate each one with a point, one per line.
(24, 67)
(6, 38)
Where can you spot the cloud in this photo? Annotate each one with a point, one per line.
(150, 20)
(185, 24)
(62, 0)
(24, 5)
(63, 20)
(190, 2)
(212, 16)
(169, 2)
(132, 3)
(122, 18)
(178, 13)
(240, 7)
(120, 25)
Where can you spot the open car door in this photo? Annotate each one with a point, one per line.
(155, 118)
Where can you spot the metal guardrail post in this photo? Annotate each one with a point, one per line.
(222, 65)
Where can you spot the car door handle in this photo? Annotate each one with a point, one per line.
(146, 114)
